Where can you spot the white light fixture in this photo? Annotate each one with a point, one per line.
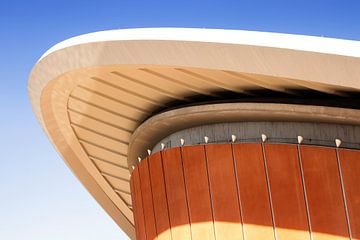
(337, 142)
(206, 139)
(233, 138)
(263, 137)
(162, 146)
(300, 139)
(182, 141)
(149, 152)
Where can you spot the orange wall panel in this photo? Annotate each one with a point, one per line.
(159, 197)
(138, 206)
(196, 180)
(227, 218)
(176, 194)
(350, 165)
(323, 187)
(148, 205)
(220, 191)
(133, 204)
(287, 192)
(255, 204)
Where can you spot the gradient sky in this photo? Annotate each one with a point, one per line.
(39, 196)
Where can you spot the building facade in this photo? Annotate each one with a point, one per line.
(209, 134)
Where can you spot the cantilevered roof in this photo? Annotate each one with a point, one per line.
(91, 93)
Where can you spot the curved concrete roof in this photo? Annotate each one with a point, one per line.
(266, 39)
(90, 93)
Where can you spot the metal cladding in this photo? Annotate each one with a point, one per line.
(226, 191)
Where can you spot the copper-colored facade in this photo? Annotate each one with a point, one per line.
(247, 191)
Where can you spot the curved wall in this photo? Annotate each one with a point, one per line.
(247, 191)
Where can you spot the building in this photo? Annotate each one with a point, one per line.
(209, 134)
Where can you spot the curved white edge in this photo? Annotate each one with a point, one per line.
(265, 39)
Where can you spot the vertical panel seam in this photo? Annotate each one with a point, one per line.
(304, 191)
(343, 193)
(166, 198)
(142, 201)
(209, 186)
(269, 190)
(186, 192)
(238, 191)
(152, 197)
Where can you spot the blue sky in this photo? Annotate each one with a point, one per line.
(39, 196)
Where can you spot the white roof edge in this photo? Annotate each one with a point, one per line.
(325, 45)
